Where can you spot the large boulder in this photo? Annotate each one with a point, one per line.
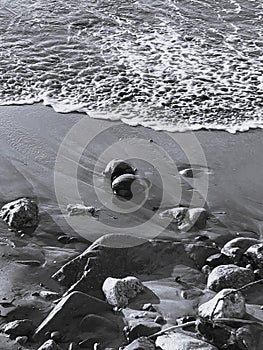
(20, 214)
(187, 218)
(64, 316)
(118, 292)
(117, 255)
(227, 303)
(181, 341)
(229, 276)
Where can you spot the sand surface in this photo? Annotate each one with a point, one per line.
(57, 159)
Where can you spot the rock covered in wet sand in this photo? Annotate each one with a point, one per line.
(229, 276)
(186, 218)
(19, 328)
(19, 214)
(118, 292)
(227, 303)
(181, 341)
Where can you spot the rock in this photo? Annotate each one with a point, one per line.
(187, 218)
(218, 259)
(237, 246)
(141, 343)
(49, 295)
(77, 305)
(148, 307)
(118, 167)
(20, 214)
(73, 346)
(224, 304)
(22, 340)
(229, 276)
(56, 336)
(117, 255)
(181, 341)
(159, 319)
(255, 255)
(140, 329)
(187, 172)
(49, 345)
(81, 209)
(200, 251)
(245, 338)
(118, 292)
(128, 185)
(19, 328)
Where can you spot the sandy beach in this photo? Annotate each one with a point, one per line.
(47, 156)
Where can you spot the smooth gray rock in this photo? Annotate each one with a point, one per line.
(224, 304)
(229, 276)
(181, 341)
(19, 214)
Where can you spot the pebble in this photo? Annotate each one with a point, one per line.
(22, 340)
(56, 336)
(159, 319)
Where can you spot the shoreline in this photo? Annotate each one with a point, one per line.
(37, 143)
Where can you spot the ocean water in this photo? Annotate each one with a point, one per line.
(165, 64)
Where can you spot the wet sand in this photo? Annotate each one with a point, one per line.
(227, 182)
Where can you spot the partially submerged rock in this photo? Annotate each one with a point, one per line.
(118, 167)
(20, 214)
(118, 292)
(181, 341)
(227, 303)
(229, 276)
(128, 185)
(19, 328)
(186, 218)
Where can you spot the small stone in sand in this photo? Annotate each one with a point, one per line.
(22, 340)
(229, 276)
(228, 303)
(187, 218)
(118, 167)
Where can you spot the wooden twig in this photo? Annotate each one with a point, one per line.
(187, 324)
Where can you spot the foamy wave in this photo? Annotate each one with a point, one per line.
(169, 66)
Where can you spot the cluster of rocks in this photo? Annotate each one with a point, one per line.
(124, 180)
(100, 282)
